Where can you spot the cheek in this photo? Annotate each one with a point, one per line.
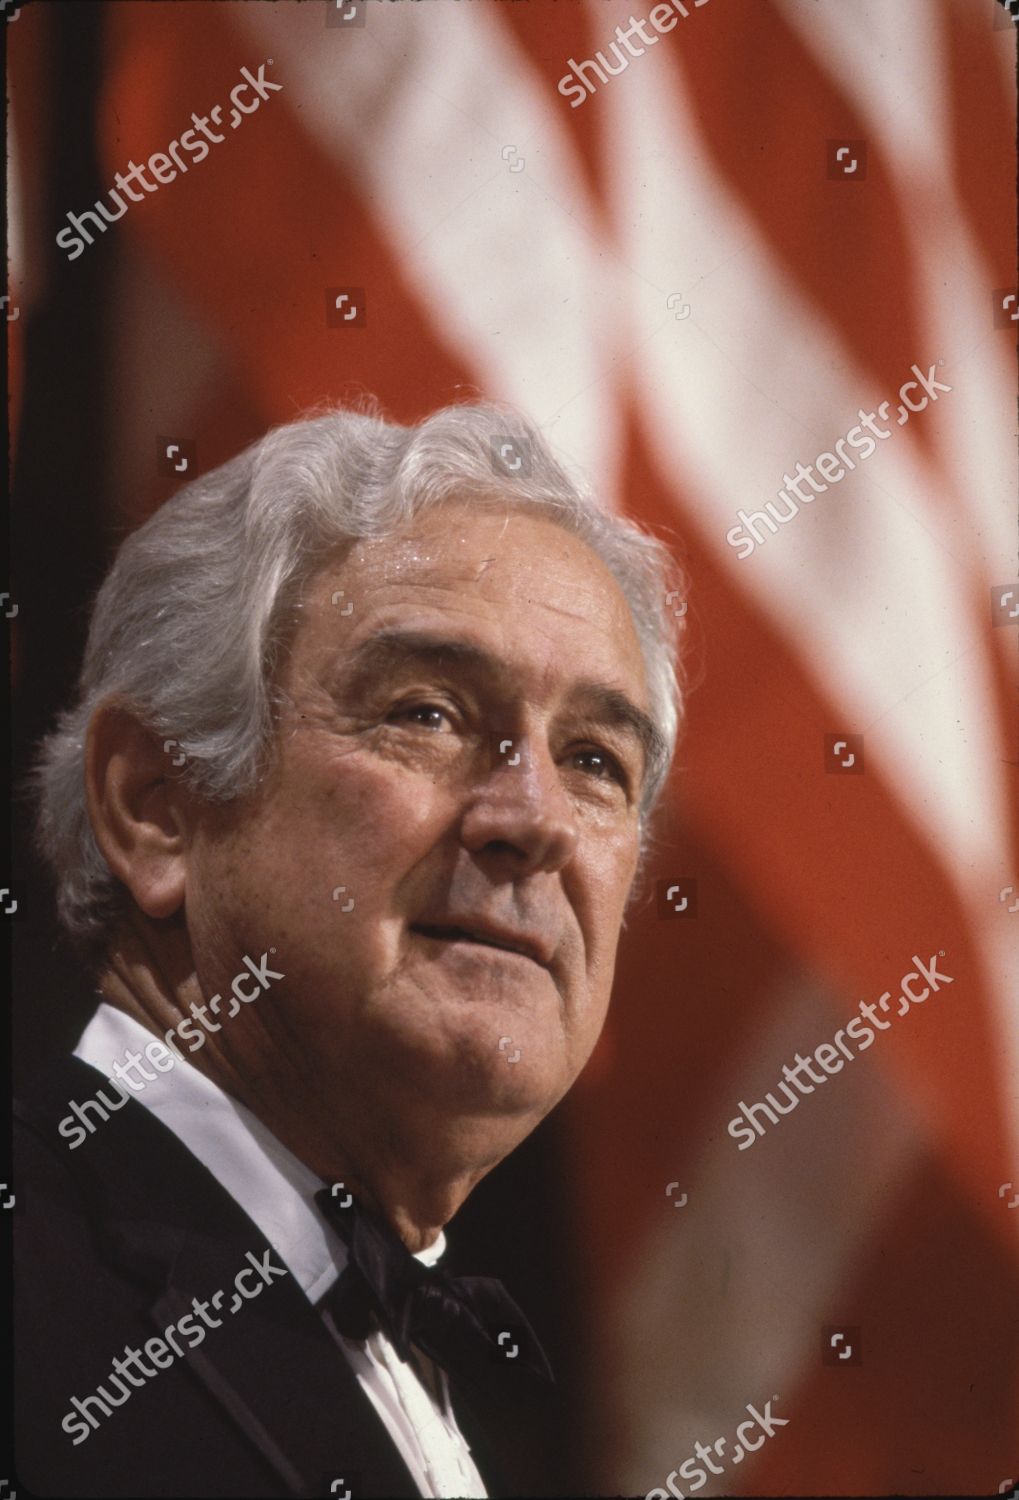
(353, 819)
(611, 867)
(608, 876)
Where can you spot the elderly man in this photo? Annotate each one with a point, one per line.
(371, 723)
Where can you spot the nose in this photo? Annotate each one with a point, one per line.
(521, 814)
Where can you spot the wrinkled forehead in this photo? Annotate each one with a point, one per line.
(490, 558)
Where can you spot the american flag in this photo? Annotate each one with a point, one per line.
(698, 274)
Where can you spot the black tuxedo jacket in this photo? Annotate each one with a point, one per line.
(112, 1241)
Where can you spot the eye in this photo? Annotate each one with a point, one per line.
(603, 766)
(407, 710)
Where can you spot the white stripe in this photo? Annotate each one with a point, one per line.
(420, 104)
(863, 582)
(728, 1301)
(892, 61)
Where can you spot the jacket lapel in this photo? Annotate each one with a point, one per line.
(490, 1424)
(168, 1226)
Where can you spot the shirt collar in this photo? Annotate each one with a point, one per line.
(273, 1187)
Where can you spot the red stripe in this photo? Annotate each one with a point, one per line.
(836, 874)
(565, 31)
(767, 108)
(928, 1413)
(255, 233)
(983, 115)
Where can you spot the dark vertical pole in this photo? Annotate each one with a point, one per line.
(58, 520)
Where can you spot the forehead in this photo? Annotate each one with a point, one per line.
(526, 588)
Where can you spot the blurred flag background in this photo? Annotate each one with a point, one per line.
(696, 272)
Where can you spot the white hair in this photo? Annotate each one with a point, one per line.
(188, 626)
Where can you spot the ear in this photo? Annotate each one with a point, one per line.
(137, 807)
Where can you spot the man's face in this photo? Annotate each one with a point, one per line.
(394, 780)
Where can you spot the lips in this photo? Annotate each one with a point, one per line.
(490, 937)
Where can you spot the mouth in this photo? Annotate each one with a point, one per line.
(480, 939)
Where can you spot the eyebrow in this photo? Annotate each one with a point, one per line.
(399, 647)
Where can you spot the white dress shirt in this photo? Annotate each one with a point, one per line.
(277, 1192)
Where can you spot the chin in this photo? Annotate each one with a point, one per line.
(490, 1081)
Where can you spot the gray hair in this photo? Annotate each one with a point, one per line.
(190, 622)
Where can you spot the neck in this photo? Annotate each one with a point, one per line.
(414, 1174)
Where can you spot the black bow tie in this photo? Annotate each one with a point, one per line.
(469, 1325)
